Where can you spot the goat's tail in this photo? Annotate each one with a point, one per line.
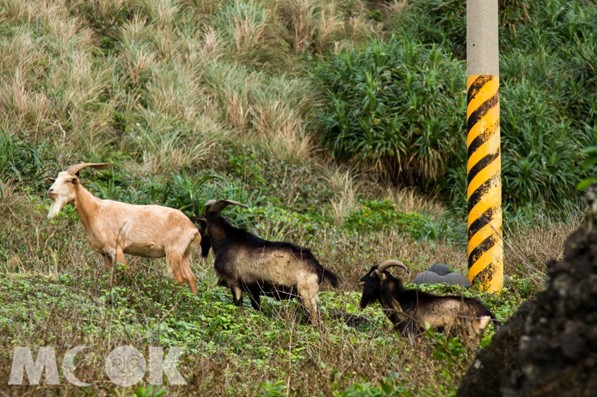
(496, 323)
(331, 277)
(494, 320)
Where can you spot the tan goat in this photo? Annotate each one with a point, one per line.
(114, 228)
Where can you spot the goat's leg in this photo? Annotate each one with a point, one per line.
(190, 277)
(108, 261)
(308, 295)
(237, 295)
(119, 258)
(181, 269)
(254, 296)
(185, 264)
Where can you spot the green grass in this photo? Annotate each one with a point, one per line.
(142, 308)
(54, 291)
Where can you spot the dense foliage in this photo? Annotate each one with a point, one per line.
(398, 104)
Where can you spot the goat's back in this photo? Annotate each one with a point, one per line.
(445, 309)
(144, 228)
(275, 262)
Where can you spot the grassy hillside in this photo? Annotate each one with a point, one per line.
(194, 100)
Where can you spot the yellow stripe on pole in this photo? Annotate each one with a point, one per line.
(485, 244)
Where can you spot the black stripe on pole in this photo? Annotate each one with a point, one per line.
(482, 248)
(480, 222)
(482, 111)
(479, 193)
(481, 139)
(476, 86)
(484, 162)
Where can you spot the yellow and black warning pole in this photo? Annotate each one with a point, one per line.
(484, 193)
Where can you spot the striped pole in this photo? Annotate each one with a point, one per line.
(484, 193)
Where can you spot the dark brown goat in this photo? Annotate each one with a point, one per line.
(245, 262)
(410, 310)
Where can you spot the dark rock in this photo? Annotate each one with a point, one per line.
(573, 345)
(549, 346)
(440, 269)
(457, 279)
(441, 275)
(427, 277)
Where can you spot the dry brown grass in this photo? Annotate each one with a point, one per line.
(409, 200)
(528, 249)
(155, 76)
(51, 77)
(318, 26)
(281, 128)
(249, 31)
(345, 187)
(162, 12)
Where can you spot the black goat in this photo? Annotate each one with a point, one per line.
(245, 262)
(409, 309)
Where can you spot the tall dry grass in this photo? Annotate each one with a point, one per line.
(409, 200)
(345, 187)
(529, 248)
(318, 26)
(86, 75)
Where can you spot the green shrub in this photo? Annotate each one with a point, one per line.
(589, 164)
(279, 223)
(273, 389)
(542, 149)
(376, 215)
(25, 163)
(399, 105)
(395, 106)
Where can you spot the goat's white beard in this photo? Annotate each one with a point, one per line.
(56, 206)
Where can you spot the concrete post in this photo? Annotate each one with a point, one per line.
(484, 193)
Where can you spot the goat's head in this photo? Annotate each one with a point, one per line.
(371, 281)
(212, 207)
(63, 190)
(205, 241)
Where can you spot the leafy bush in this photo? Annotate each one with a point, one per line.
(279, 223)
(394, 106)
(273, 389)
(399, 105)
(589, 165)
(23, 162)
(542, 149)
(376, 215)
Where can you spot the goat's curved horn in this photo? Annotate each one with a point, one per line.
(74, 169)
(219, 205)
(391, 263)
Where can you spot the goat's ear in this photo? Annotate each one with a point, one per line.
(75, 180)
